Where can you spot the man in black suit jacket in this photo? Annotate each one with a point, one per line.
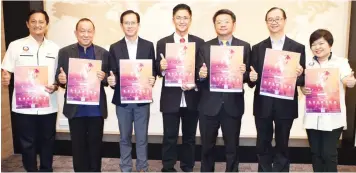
(268, 109)
(131, 47)
(217, 108)
(178, 102)
(86, 122)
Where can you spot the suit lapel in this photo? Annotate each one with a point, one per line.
(268, 43)
(287, 44)
(75, 51)
(139, 49)
(170, 39)
(124, 50)
(97, 53)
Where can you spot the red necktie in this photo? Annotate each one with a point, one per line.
(182, 40)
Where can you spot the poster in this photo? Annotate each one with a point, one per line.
(225, 74)
(30, 86)
(279, 74)
(83, 86)
(325, 93)
(181, 64)
(134, 81)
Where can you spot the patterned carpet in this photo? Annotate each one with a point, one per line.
(64, 164)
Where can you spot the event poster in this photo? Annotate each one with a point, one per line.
(30, 87)
(225, 74)
(325, 93)
(181, 64)
(83, 86)
(279, 74)
(134, 81)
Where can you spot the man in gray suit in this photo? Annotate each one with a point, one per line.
(86, 122)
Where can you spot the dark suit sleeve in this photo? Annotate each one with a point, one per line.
(61, 63)
(159, 50)
(301, 78)
(152, 55)
(254, 64)
(199, 63)
(105, 67)
(246, 61)
(197, 68)
(113, 64)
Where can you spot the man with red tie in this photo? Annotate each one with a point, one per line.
(178, 103)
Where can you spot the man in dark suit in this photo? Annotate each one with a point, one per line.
(268, 109)
(217, 108)
(178, 102)
(131, 47)
(86, 122)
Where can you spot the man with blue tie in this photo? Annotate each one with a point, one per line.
(131, 47)
(217, 108)
(178, 103)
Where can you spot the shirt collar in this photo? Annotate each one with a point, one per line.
(280, 41)
(228, 41)
(34, 40)
(81, 48)
(178, 37)
(131, 42)
(316, 58)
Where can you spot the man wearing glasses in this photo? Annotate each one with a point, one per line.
(178, 103)
(218, 108)
(131, 47)
(269, 110)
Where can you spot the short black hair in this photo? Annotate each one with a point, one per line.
(129, 12)
(82, 20)
(225, 11)
(38, 11)
(182, 7)
(276, 8)
(321, 33)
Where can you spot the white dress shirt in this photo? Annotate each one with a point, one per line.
(177, 40)
(27, 52)
(132, 48)
(278, 44)
(329, 122)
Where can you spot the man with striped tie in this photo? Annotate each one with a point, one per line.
(217, 108)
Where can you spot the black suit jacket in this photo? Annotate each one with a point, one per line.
(118, 50)
(263, 105)
(72, 51)
(171, 96)
(211, 102)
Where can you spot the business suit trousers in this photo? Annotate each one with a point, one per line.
(171, 123)
(265, 155)
(139, 116)
(323, 145)
(36, 133)
(209, 126)
(86, 134)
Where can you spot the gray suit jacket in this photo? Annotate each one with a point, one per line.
(72, 51)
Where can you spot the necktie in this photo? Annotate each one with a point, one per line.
(224, 42)
(182, 40)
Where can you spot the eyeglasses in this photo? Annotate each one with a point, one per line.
(277, 20)
(130, 23)
(182, 18)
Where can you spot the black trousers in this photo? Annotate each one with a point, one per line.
(265, 154)
(170, 135)
(36, 133)
(86, 135)
(323, 145)
(209, 126)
